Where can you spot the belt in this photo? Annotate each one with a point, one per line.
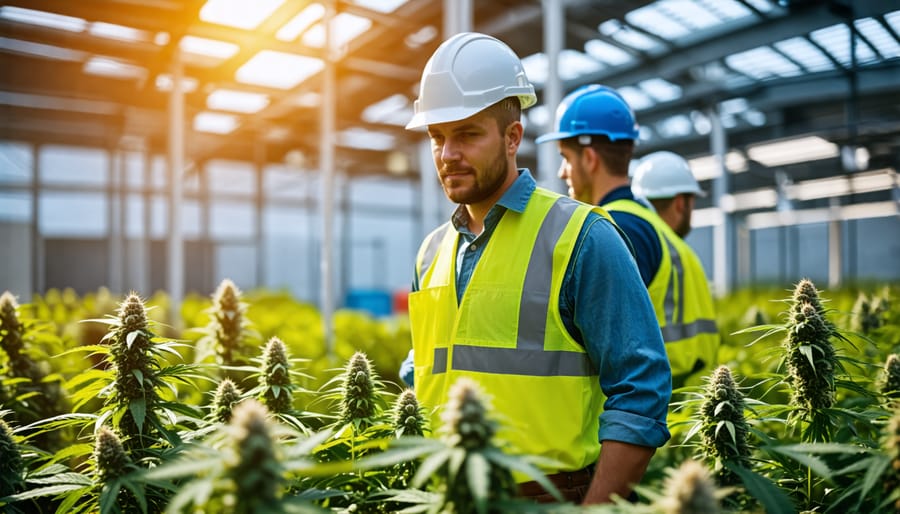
(572, 484)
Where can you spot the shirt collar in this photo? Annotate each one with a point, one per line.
(619, 193)
(515, 199)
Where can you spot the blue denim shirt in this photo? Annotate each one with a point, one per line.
(641, 234)
(604, 307)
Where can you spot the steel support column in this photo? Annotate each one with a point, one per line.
(175, 247)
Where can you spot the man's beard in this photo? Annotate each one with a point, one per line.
(486, 183)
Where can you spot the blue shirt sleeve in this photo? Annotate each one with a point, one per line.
(407, 370)
(606, 307)
(644, 240)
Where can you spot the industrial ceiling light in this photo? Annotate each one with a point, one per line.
(792, 151)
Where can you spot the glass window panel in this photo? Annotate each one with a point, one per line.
(231, 177)
(71, 165)
(73, 214)
(15, 163)
(230, 220)
(15, 207)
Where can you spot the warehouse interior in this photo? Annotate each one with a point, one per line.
(205, 139)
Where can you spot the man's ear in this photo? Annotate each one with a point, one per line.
(514, 132)
(589, 157)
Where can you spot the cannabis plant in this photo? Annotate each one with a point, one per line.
(724, 429)
(360, 404)
(25, 385)
(690, 490)
(227, 395)
(892, 449)
(243, 467)
(890, 382)
(274, 374)
(11, 465)
(228, 329)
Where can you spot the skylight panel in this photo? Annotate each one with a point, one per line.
(573, 64)
(660, 89)
(607, 53)
(237, 101)
(278, 69)
(883, 41)
(675, 126)
(44, 19)
(688, 13)
(41, 50)
(801, 50)
(893, 19)
(628, 36)
(654, 20)
(421, 37)
(726, 10)
(635, 98)
(107, 67)
(345, 27)
(394, 110)
(120, 32)
(536, 68)
(302, 21)
(836, 40)
(238, 13)
(382, 6)
(365, 139)
(208, 47)
(214, 122)
(763, 63)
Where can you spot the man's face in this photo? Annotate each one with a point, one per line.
(471, 158)
(575, 173)
(683, 227)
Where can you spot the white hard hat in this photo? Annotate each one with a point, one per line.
(664, 175)
(466, 74)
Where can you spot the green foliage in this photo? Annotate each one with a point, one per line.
(336, 438)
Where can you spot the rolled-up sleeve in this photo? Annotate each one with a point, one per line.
(610, 312)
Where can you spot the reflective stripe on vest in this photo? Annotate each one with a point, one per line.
(673, 327)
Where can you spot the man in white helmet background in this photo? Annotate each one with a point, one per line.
(666, 181)
(596, 133)
(532, 295)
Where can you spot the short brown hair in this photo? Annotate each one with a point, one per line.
(505, 112)
(615, 154)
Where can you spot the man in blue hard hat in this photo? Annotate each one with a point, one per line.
(596, 133)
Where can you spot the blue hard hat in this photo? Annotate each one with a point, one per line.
(593, 110)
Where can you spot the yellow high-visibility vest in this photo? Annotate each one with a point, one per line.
(507, 334)
(682, 302)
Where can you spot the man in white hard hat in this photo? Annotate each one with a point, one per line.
(532, 295)
(666, 181)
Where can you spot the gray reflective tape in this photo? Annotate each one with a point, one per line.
(679, 331)
(669, 305)
(440, 361)
(536, 287)
(516, 361)
(432, 248)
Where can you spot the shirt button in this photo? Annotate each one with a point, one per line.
(472, 248)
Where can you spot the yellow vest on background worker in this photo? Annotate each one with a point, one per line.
(682, 302)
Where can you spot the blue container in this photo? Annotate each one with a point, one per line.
(376, 302)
